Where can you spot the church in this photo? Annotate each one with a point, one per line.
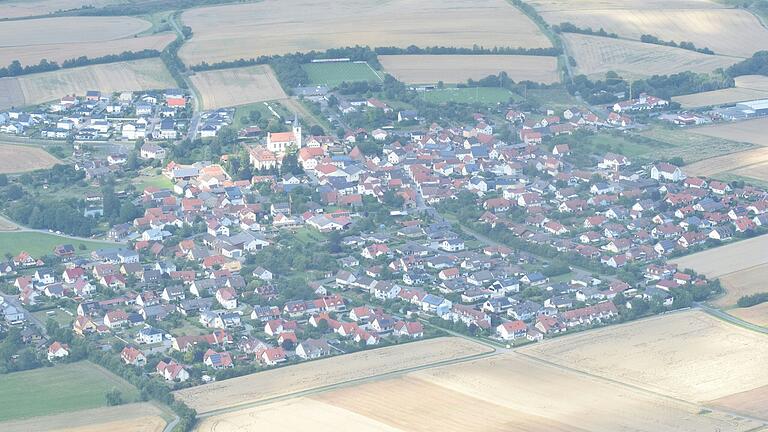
(279, 142)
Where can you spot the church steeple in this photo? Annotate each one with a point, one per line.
(297, 130)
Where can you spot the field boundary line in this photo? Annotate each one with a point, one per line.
(375, 72)
(347, 383)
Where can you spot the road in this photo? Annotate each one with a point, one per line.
(717, 313)
(22, 229)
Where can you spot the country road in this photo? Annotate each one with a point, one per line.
(717, 313)
(23, 229)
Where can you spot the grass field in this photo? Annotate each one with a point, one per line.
(482, 95)
(693, 147)
(426, 69)
(229, 32)
(688, 355)
(324, 372)
(726, 31)
(135, 417)
(333, 74)
(18, 159)
(238, 86)
(597, 55)
(60, 389)
(48, 86)
(39, 244)
(748, 87)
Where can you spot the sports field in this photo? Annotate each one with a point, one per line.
(595, 56)
(60, 389)
(237, 86)
(18, 159)
(325, 372)
(134, 75)
(333, 74)
(38, 244)
(428, 69)
(483, 95)
(748, 87)
(236, 31)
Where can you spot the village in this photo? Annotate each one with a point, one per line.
(202, 281)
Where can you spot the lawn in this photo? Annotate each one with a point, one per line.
(483, 95)
(38, 244)
(147, 179)
(244, 111)
(333, 74)
(58, 389)
(62, 318)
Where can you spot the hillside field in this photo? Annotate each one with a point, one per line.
(18, 159)
(748, 87)
(228, 32)
(237, 86)
(428, 69)
(132, 417)
(333, 74)
(38, 244)
(60, 389)
(484, 95)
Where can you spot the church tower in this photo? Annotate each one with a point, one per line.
(297, 130)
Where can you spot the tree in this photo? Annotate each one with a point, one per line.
(316, 130)
(114, 397)
(132, 163)
(3, 180)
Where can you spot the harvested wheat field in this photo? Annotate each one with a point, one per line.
(597, 55)
(687, 355)
(240, 86)
(66, 30)
(749, 281)
(136, 417)
(751, 131)
(567, 5)
(757, 314)
(131, 75)
(757, 171)
(728, 32)
(18, 159)
(727, 163)
(28, 8)
(508, 392)
(733, 257)
(753, 402)
(282, 26)
(326, 372)
(11, 94)
(59, 53)
(748, 87)
(424, 69)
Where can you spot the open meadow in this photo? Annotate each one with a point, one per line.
(237, 86)
(595, 56)
(325, 372)
(38, 244)
(130, 75)
(508, 392)
(134, 417)
(748, 87)
(428, 69)
(483, 95)
(726, 31)
(285, 26)
(687, 355)
(334, 73)
(59, 389)
(17, 159)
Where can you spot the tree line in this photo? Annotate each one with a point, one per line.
(16, 68)
(646, 38)
(567, 27)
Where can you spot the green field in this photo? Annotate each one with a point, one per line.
(58, 389)
(333, 74)
(38, 244)
(483, 95)
(693, 147)
(150, 178)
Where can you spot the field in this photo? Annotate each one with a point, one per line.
(62, 38)
(757, 314)
(239, 86)
(60, 389)
(425, 69)
(325, 372)
(39, 244)
(728, 32)
(751, 131)
(484, 95)
(228, 32)
(26, 8)
(727, 163)
(17, 159)
(748, 87)
(687, 355)
(131, 75)
(597, 55)
(333, 74)
(508, 392)
(692, 147)
(135, 417)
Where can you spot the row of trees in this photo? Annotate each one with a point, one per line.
(752, 300)
(646, 38)
(567, 27)
(17, 69)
